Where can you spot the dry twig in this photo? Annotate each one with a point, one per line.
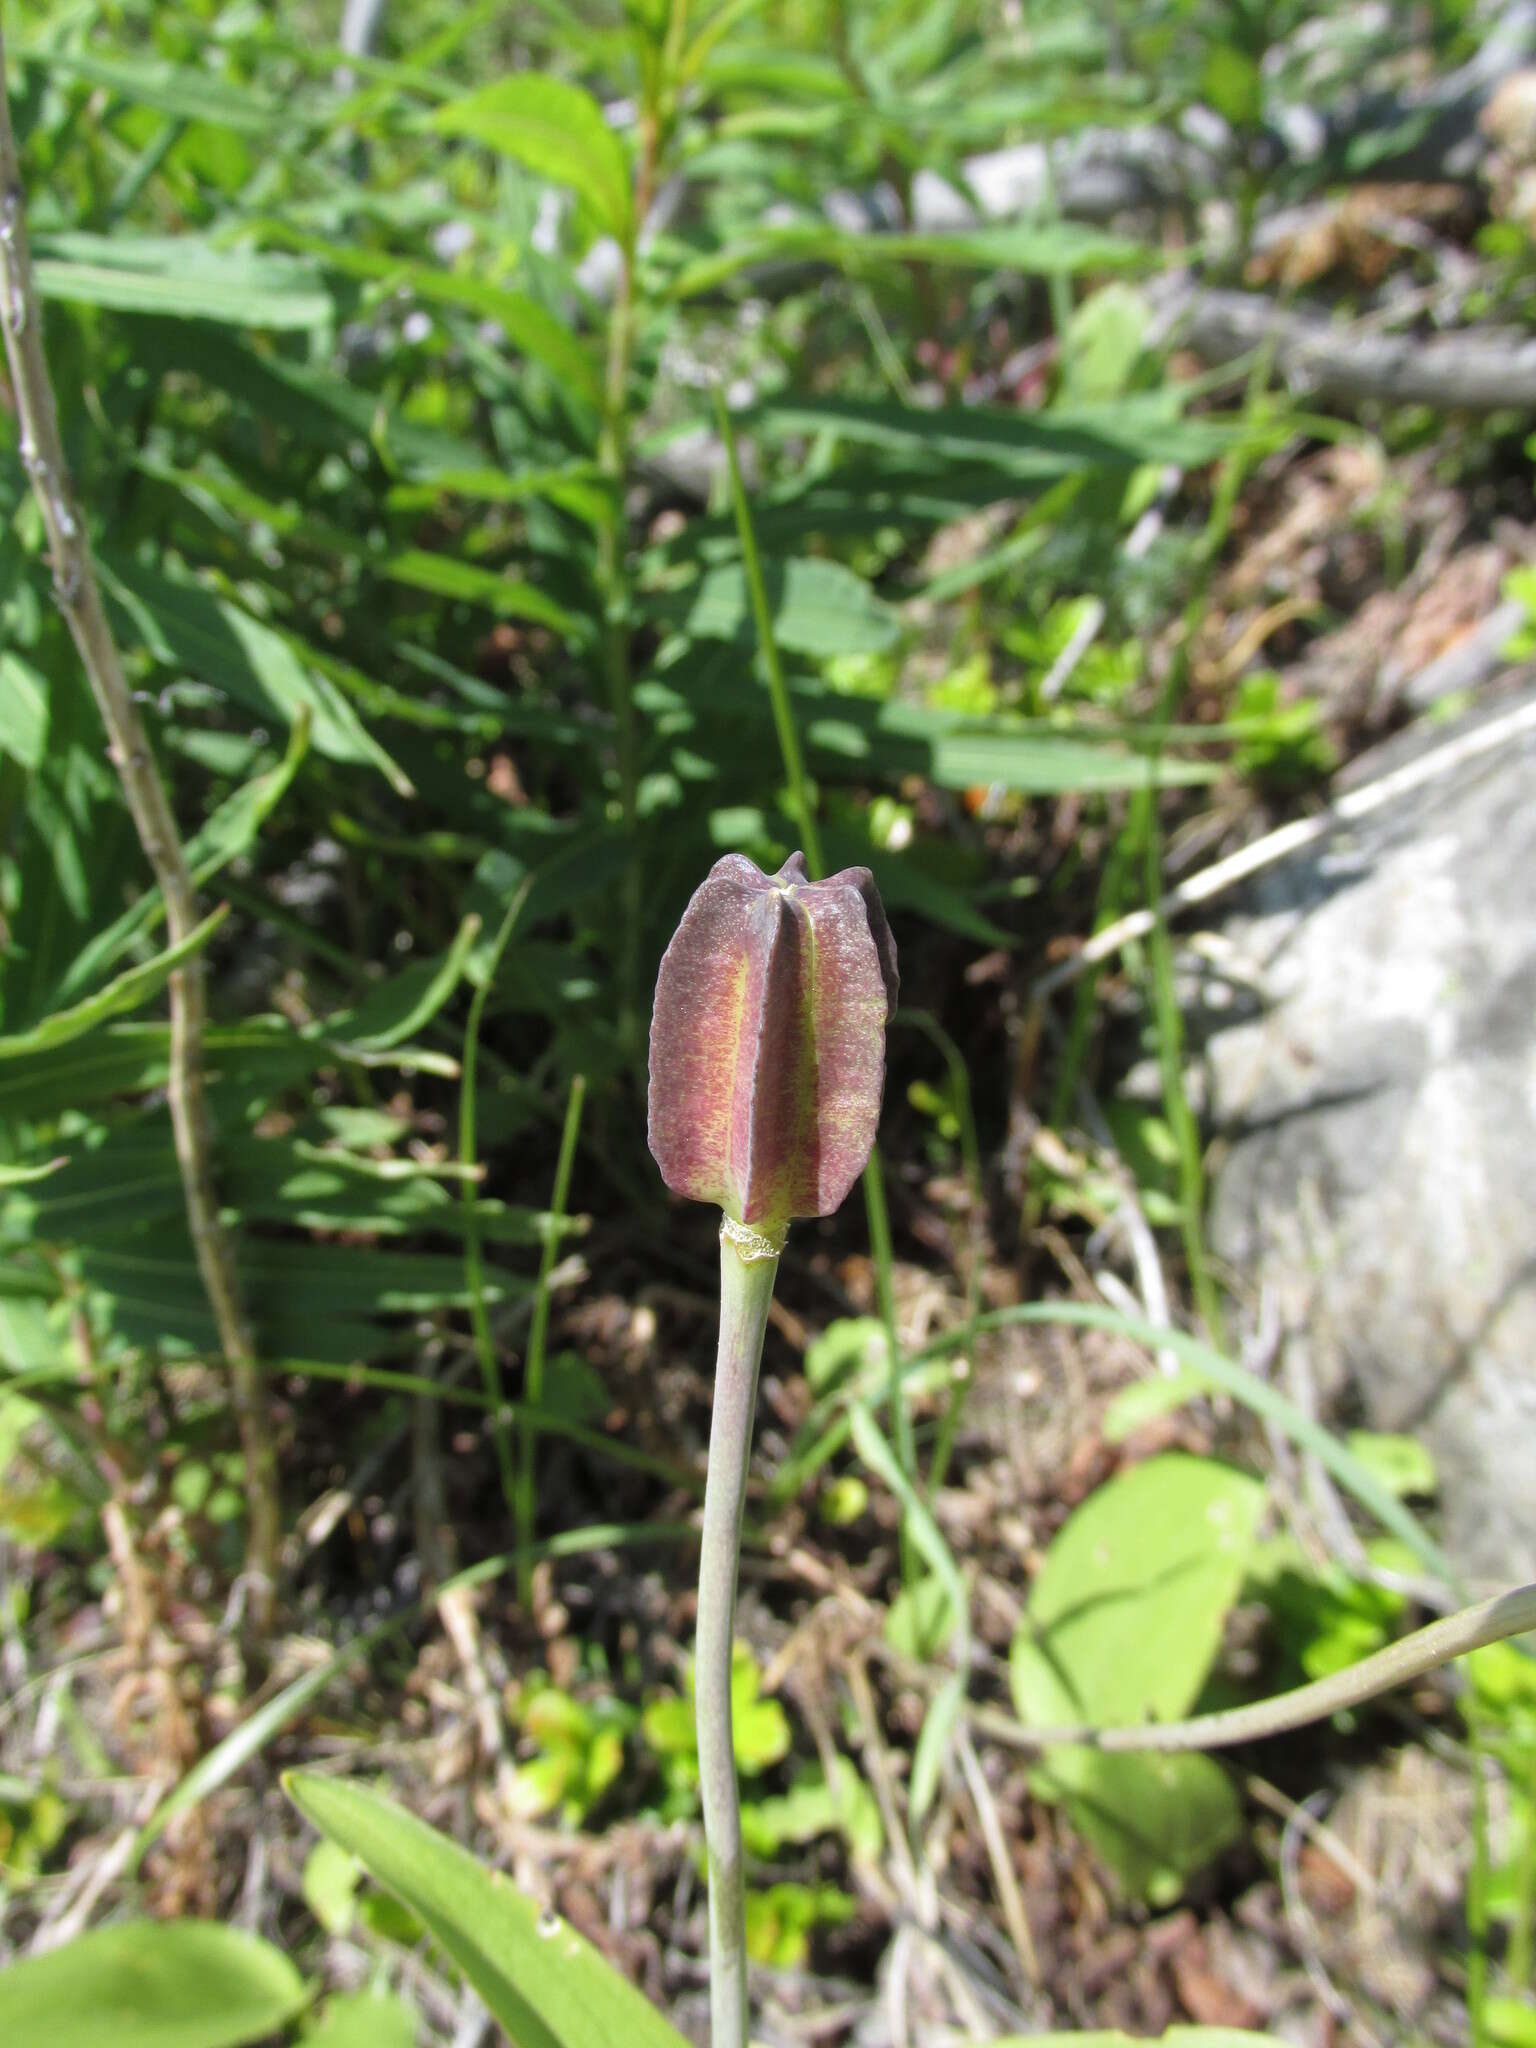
(1216, 880)
(79, 600)
(1415, 1656)
(1474, 371)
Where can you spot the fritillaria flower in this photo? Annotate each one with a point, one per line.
(768, 1041)
(767, 1065)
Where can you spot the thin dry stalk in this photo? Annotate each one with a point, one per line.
(1492, 736)
(79, 599)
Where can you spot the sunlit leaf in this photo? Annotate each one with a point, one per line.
(124, 993)
(541, 1980)
(557, 131)
(162, 1984)
(183, 277)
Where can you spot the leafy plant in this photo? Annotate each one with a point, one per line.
(782, 1919)
(579, 1749)
(760, 1730)
(1123, 1625)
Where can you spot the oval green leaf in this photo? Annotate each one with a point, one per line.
(151, 1984)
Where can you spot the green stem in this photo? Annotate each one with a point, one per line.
(1522, 1927)
(1181, 1118)
(970, 1153)
(882, 1257)
(533, 1378)
(802, 800)
(746, 1290)
(474, 1256)
(1478, 1879)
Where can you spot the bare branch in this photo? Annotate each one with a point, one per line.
(1486, 371)
(79, 599)
(1490, 1621)
(1216, 880)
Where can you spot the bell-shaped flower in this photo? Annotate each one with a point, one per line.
(768, 1041)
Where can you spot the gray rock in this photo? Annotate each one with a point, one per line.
(1376, 1120)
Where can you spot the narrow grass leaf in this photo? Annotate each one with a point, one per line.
(126, 992)
(1245, 1387)
(541, 1980)
(181, 277)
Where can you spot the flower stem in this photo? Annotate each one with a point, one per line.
(746, 1289)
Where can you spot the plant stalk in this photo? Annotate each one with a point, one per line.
(499, 1420)
(746, 1290)
(79, 600)
(533, 1377)
(613, 583)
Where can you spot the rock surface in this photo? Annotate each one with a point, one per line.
(1376, 1117)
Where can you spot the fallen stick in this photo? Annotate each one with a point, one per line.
(1215, 880)
(1490, 1621)
(1488, 370)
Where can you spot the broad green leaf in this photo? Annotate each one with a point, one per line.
(362, 2019)
(1126, 1614)
(182, 277)
(329, 1885)
(819, 608)
(816, 1805)
(136, 986)
(1103, 343)
(23, 711)
(1144, 1401)
(1401, 1463)
(193, 630)
(1124, 1622)
(1156, 1820)
(1510, 2022)
(151, 1984)
(541, 1980)
(576, 487)
(1043, 764)
(851, 739)
(557, 131)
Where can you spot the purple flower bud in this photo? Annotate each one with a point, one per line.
(768, 1040)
